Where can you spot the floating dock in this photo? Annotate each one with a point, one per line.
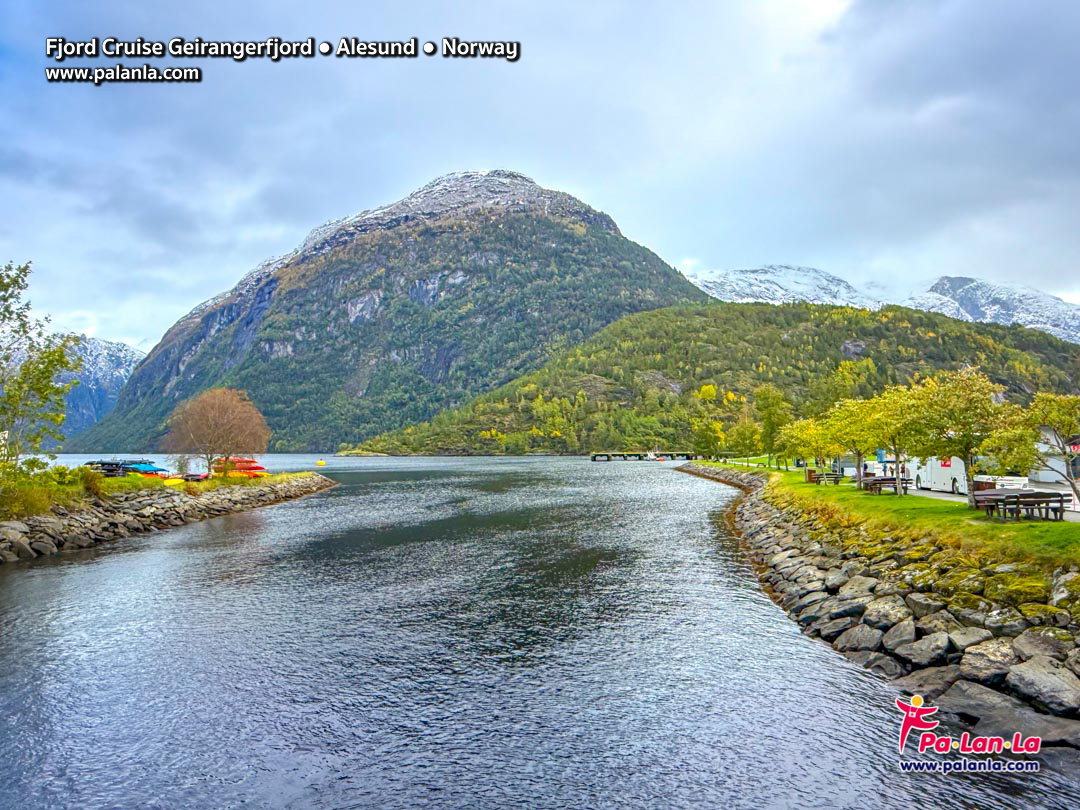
(641, 456)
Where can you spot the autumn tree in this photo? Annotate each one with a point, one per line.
(773, 412)
(1043, 437)
(849, 425)
(708, 437)
(894, 421)
(31, 362)
(744, 437)
(958, 411)
(217, 424)
(807, 438)
(849, 380)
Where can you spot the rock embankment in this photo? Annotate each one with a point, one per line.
(127, 513)
(995, 644)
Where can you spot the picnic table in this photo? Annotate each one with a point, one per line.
(830, 477)
(876, 484)
(1019, 503)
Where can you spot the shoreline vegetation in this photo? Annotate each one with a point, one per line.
(986, 630)
(129, 506)
(916, 519)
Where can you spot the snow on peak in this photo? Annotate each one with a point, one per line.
(961, 297)
(780, 284)
(455, 193)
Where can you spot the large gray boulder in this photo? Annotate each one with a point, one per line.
(988, 662)
(811, 598)
(22, 550)
(835, 579)
(885, 612)
(940, 622)
(998, 715)
(859, 637)
(858, 585)
(929, 682)
(1072, 661)
(7, 534)
(1006, 621)
(1047, 683)
(43, 546)
(880, 664)
(926, 652)
(968, 637)
(899, 635)
(829, 630)
(1051, 641)
(923, 604)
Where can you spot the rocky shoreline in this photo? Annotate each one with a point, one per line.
(136, 512)
(992, 644)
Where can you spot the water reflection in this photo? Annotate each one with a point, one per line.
(468, 633)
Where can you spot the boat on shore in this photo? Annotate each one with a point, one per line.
(239, 467)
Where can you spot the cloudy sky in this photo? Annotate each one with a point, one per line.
(876, 139)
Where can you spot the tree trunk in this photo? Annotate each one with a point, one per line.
(969, 474)
(858, 469)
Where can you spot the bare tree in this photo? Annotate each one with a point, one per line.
(217, 424)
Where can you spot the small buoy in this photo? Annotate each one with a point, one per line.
(320, 463)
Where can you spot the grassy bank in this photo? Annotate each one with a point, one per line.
(36, 497)
(1049, 544)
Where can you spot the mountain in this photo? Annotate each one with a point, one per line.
(968, 299)
(384, 318)
(106, 366)
(782, 284)
(636, 384)
(972, 299)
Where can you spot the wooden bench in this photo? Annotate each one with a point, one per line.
(875, 485)
(1019, 504)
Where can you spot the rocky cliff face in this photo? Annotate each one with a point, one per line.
(106, 366)
(386, 317)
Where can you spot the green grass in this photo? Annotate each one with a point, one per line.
(1048, 543)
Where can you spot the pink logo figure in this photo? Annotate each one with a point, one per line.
(915, 716)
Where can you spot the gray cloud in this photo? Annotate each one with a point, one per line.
(904, 138)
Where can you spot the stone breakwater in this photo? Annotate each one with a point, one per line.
(144, 510)
(994, 644)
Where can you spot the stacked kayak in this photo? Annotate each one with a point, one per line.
(239, 467)
(120, 467)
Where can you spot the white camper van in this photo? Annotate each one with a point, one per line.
(948, 475)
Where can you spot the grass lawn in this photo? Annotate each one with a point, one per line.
(1049, 543)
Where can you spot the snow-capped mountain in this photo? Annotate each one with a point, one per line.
(781, 284)
(964, 298)
(972, 299)
(457, 193)
(106, 365)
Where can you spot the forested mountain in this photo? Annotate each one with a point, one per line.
(387, 317)
(648, 380)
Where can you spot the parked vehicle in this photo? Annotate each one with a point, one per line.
(948, 475)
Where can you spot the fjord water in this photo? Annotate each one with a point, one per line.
(451, 633)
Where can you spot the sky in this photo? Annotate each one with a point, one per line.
(880, 140)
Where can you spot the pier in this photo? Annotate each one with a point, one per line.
(677, 454)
